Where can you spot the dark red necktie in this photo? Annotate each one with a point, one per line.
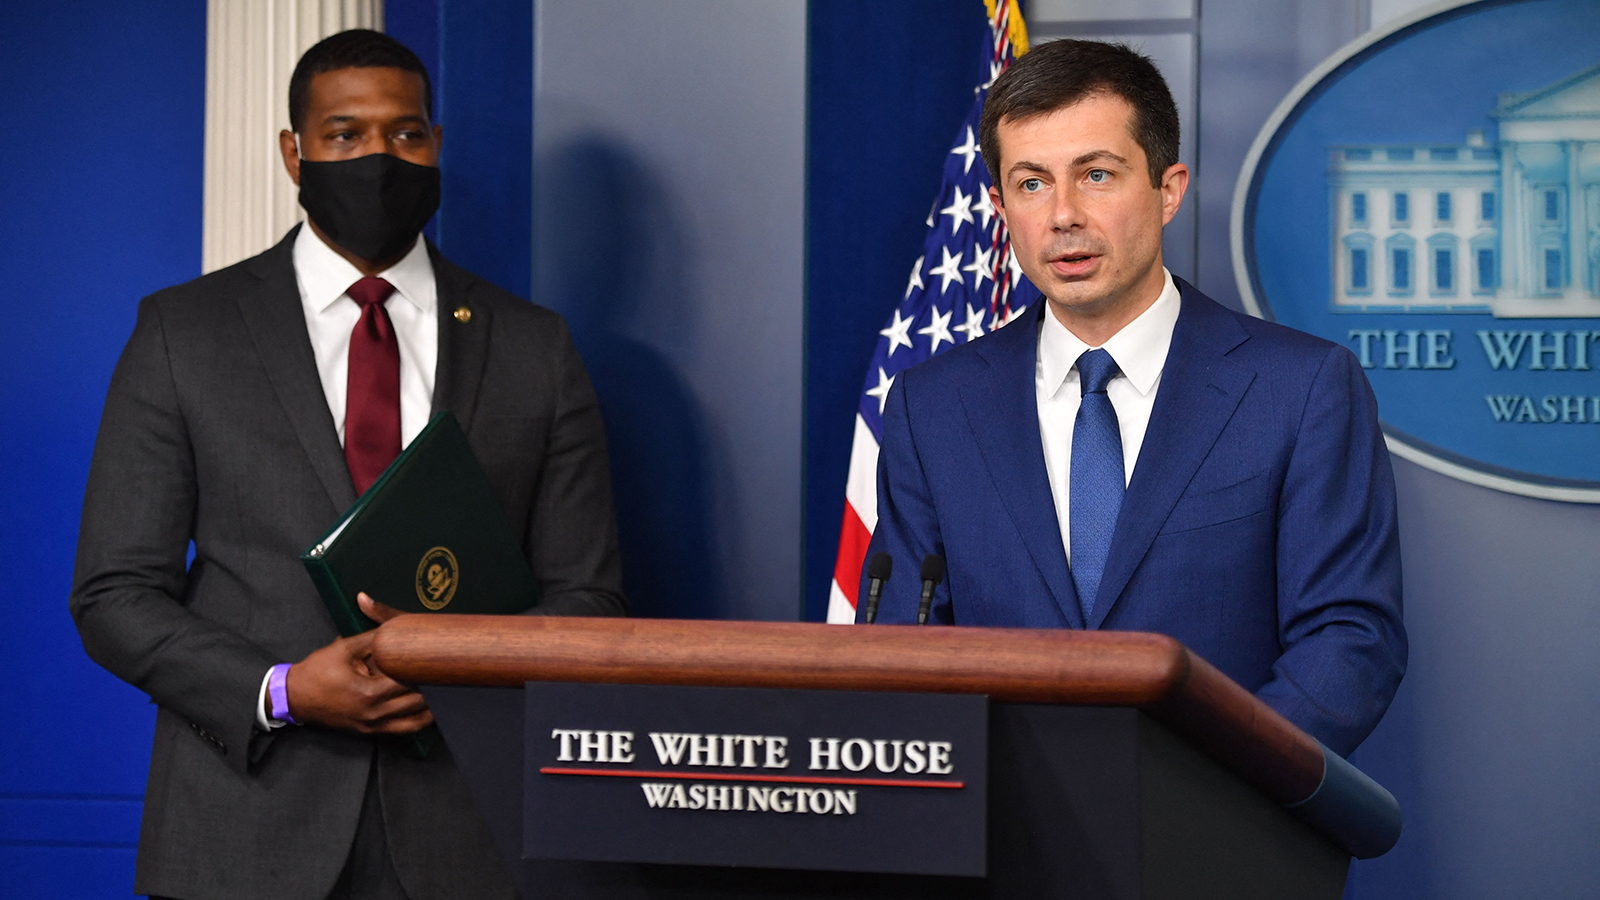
(372, 388)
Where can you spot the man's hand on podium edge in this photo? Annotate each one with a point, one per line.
(339, 687)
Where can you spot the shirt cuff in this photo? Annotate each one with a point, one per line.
(262, 720)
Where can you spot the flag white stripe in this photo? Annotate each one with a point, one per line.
(861, 488)
(840, 612)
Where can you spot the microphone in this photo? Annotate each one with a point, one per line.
(932, 575)
(878, 570)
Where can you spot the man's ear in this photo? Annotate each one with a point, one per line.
(291, 155)
(1173, 183)
(997, 202)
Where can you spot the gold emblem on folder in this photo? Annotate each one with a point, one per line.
(437, 577)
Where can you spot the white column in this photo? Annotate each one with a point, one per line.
(1510, 225)
(1577, 226)
(251, 49)
(1527, 260)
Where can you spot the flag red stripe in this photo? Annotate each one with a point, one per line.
(853, 540)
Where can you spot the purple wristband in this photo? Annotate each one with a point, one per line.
(278, 690)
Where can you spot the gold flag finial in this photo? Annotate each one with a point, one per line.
(1015, 27)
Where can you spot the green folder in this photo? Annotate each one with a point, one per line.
(428, 537)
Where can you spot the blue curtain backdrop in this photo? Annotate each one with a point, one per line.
(104, 107)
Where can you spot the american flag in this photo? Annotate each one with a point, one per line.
(966, 283)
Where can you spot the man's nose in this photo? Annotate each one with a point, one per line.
(377, 142)
(1066, 211)
(386, 143)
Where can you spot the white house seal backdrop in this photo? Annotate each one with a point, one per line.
(1429, 197)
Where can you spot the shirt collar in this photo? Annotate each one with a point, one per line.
(1140, 348)
(324, 275)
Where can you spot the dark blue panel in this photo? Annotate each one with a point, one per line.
(105, 107)
(889, 83)
(66, 872)
(485, 102)
(76, 819)
(415, 23)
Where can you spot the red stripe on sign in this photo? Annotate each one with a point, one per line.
(721, 776)
(854, 536)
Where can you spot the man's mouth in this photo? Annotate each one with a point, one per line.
(1071, 264)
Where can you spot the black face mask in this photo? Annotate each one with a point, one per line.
(372, 205)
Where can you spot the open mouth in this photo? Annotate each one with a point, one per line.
(1073, 264)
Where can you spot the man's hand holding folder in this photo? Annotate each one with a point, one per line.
(430, 537)
(337, 686)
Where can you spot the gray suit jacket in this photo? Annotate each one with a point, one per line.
(216, 431)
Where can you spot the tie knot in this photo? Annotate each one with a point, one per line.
(370, 291)
(1096, 368)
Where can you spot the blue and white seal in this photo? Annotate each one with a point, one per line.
(1429, 197)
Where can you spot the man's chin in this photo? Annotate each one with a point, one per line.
(1078, 297)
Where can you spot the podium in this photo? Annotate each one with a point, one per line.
(1119, 764)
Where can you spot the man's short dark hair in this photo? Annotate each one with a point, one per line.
(358, 48)
(1057, 74)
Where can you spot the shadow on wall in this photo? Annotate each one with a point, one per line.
(610, 257)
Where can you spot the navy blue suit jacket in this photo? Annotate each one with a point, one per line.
(1258, 528)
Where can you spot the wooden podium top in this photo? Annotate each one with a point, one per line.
(1147, 671)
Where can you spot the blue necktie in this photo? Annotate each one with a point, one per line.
(1097, 479)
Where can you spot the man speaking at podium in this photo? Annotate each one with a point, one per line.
(248, 411)
(1132, 455)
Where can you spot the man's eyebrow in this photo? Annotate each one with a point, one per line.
(1027, 166)
(1096, 156)
(342, 120)
(1083, 160)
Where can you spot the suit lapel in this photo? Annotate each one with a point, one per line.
(277, 324)
(1003, 414)
(1200, 389)
(463, 346)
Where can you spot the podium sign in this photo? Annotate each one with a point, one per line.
(851, 781)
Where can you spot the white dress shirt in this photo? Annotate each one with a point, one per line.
(1140, 351)
(331, 315)
(323, 277)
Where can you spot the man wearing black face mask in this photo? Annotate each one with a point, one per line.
(249, 409)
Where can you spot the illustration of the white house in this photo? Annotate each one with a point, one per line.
(1511, 228)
